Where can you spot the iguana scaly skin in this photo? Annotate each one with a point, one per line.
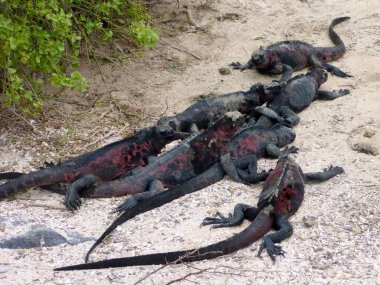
(282, 195)
(239, 162)
(286, 56)
(103, 164)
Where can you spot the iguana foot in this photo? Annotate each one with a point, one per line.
(72, 200)
(334, 170)
(288, 150)
(336, 71)
(238, 65)
(155, 188)
(272, 249)
(341, 92)
(127, 204)
(220, 222)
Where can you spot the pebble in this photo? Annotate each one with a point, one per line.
(309, 221)
(224, 71)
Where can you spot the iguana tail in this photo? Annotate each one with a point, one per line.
(334, 36)
(327, 54)
(259, 227)
(40, 177)
(212, 175)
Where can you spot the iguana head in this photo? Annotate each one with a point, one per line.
(320, 75)
(259, 56)
(284, 134)
(167, 126)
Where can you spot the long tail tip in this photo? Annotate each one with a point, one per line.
(340, 20)
(73, 267)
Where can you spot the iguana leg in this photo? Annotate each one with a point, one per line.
(230, 168)
(289, 116)
(238, 65)
(241, 212)
(331, 95)
(284, 230)
(155, 188)
(264, 121)
(335, 70)
(326, 174)
(253, 178)
(286, 71)
(72, 199)
(315, 62)
(273, 115)
(273, 151)
(250, 163)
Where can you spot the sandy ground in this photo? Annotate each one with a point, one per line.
(342, 247)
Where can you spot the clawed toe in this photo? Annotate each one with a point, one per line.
(72, 201)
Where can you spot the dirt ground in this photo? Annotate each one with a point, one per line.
(341, 247)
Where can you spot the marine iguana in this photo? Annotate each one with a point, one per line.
(199, 115)
(241, 154)
(103, 164)
(297, 94)
(286, 56)
(282, 195)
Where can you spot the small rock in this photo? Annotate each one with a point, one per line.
(309, 221)
(224, 71)
(369, 133)
(365, 148)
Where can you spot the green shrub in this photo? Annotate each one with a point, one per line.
(40, 42)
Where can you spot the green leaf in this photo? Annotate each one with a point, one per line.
(11, 70)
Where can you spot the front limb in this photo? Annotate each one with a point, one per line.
(72, 199)
(274, 151)
(285, 70)
(241, 67)
(324, 175)
(155, 188)
(274, 115)
(289, 116)
(236, 169)
(335, 70)
(331, 95)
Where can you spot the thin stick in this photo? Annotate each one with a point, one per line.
(149, 274)
(183, 50)
(102, 138)
(36, 131)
